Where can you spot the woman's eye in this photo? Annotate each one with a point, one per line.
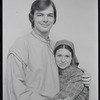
(39, 15)
(59, 55)
(67, 56)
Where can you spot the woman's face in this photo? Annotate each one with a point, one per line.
(63, 58)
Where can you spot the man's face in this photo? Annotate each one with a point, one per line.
(43, 20)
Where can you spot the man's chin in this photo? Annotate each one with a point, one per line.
(45, 30)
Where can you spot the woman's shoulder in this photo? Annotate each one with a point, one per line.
(75, 70)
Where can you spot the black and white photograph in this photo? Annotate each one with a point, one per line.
(50, 50)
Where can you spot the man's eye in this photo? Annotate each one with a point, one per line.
(51, 15)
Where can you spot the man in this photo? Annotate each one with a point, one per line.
(31, 70)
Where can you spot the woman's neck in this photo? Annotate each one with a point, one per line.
(61, 71)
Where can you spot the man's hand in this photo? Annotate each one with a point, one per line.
(86, 78)
(68, 98)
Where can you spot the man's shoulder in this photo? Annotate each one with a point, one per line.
(20, 42)
(52, 43)
(20, 48)
(22, 39)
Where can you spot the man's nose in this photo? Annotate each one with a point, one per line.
(45, 19)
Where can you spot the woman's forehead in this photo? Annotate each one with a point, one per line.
(63, 51)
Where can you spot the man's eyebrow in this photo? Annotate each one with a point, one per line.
(51, 13)
(43, 13)
(39, 13)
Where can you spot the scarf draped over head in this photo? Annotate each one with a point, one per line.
(70, 44)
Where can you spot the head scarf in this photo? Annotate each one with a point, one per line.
(70, 44)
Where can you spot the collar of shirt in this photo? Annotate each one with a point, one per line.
(47, 41)
(41, 38)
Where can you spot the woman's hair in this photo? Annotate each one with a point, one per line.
(40, 5)
(63, 46)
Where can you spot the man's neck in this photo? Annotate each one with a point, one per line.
(43, 35)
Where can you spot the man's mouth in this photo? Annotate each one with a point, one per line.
(45, 25)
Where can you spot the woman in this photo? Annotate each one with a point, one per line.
(71, 86)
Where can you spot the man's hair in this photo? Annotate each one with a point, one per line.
(41, 5)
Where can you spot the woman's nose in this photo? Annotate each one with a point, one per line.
(63, 59)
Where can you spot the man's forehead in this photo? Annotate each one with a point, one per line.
(47, 10)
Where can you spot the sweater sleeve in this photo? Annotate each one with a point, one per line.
(15, 84)
(70, 87)
(70, 90)
(84, 94)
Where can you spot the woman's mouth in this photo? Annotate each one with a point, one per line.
(63, 64)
